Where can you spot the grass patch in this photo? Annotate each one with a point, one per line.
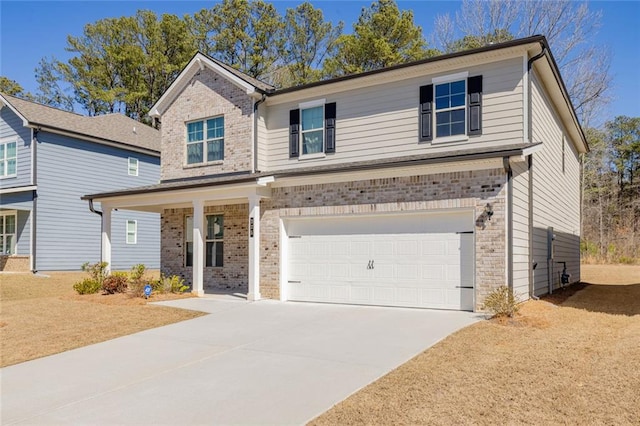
(41, 316)
(575, 362)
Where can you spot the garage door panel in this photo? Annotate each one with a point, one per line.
(418, 270)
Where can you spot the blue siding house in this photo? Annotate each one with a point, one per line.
(49, 158)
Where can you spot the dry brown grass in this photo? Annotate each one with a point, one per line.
(577, 363)
(41, 316)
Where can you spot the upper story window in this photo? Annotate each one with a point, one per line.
(451, 108)
(205, 140)
(312, 121)
(133, 166)
(8, 158)
(312, 129)
(457, 103)
(8, 222)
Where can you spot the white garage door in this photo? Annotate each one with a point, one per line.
(422, 261)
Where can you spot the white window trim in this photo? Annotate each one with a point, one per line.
(188, 237)
(5, 142)
(308, 105)
(137, 166)
(204, 141)
(14, 242)
(442, 80)
(135, 232)
(213, 240)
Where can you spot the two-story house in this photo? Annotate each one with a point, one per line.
(49, 158)
(426, 184)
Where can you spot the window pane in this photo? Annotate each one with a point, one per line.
(312, 118)
(442, 130)
(188, 229)
(11, 167)
(10, 249)
(442, 103)
(194, 132)
(457, 100)
(210, 255)
(215, 150)
(219, 253)
(2, 245)
(188, 254)
(194, 153)
(2, 224)
(457, 115)
(442, 90)
(215, 128)
(312, 142)
(10, 225)
(2, 150)
(215, 227)
(11, 150)
(457, 87)
(2, 168)
(457, 129)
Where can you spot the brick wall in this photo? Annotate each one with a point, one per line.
(233, 275)
(14, 263)
(416, 193)
(207, 95)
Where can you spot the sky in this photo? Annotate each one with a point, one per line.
(31, 30)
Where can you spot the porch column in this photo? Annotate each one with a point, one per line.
(254, 248)
(105, 252)
(198, 247)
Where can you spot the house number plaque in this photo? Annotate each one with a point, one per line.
(251, 227)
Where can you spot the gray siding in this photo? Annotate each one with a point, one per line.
(556, 193)
(68, 234)
(521, 229)
(11, 127)
(23, 243)
(382, 121)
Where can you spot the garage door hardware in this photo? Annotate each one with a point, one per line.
(370, 264)
(462, 286)
(465, 232)
(294, 282)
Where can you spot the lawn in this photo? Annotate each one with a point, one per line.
(42, 315)
(577, 362)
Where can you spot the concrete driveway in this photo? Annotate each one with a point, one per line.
(246, 363)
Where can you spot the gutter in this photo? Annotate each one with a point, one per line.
(99, 213)
(255, 132)
(34, 202)
(532, 262)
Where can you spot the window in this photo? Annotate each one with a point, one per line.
(8, 159)
(312, 129)
(457, 103)
(132, 232)
(214, 240)
(450, 101)
(205, 140)
(8, 232)
(133, 166)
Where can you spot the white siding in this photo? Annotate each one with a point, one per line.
(521, 229)
(382, 121)
(556, 194)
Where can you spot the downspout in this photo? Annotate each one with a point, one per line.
(509, 227)
(532, 263)
(99, 213)
(34, 202)
(255, 132)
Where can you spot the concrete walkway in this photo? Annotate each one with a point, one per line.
(246, 363)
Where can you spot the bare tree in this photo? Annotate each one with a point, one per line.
(570, 27)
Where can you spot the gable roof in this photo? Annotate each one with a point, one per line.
(113, 129)
(199, 62)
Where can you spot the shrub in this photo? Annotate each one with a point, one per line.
(137, 280)
(169, 284)
(501, 302)
(115, 283)
(97, 271)
(87, 286)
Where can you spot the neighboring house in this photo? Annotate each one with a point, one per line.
(427, 184)
(48, 159)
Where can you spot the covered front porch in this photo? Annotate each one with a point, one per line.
(210, 233)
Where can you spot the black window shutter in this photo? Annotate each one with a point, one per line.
(426, 113)
(474, 93)
(294, 133)
(330, 127)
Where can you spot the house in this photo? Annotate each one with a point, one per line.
(49, 158)
(426, 184)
